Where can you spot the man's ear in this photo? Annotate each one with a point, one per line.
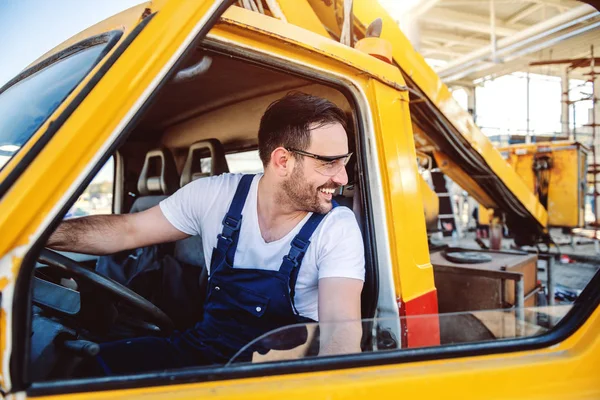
(282, 161)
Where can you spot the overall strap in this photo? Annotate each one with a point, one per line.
(293, 260)
(227, 240)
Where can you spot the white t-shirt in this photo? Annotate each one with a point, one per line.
(336, 248)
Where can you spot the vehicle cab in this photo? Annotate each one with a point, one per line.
(125, 113)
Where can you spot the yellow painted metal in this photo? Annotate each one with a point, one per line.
(485, 215)
(462, 179)
(126, 22)
(376, 47)
(413, 273)
(299, 39)
(300, 13)
(330, 13)
(566, 197)
(413, 64)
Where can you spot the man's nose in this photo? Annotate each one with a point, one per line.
(341, 178)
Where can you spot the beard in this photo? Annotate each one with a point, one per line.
(297, 191)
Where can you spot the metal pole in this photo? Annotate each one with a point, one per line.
(549, 268)
(564, 115)
(493, 30)
(594, 144)
(574, 122)
(528, 135)
(472, 102)
(519, 305)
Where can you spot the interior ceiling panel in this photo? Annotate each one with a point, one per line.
(227, 81)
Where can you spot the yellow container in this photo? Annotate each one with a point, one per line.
(566, 175)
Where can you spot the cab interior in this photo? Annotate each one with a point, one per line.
(203, 122)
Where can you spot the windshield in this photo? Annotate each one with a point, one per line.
(26, 105)
(308, 340)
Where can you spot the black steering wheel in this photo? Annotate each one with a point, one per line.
(110, 287)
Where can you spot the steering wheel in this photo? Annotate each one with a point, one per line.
(110, 287)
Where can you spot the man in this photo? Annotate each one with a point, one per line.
(279, 251)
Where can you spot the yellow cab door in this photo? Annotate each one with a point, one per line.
(68, 104)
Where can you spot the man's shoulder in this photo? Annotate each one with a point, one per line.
(342, 217)
(217, 182)
(342, 212)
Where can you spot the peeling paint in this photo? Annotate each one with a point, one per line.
(9, 265)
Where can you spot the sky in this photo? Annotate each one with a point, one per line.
(29, 28)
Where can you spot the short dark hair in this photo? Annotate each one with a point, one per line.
(287, 122)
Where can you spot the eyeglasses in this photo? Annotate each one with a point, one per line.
(328, 165)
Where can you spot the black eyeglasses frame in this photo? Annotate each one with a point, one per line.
(319, 157)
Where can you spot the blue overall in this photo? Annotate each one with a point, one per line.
(241, 305)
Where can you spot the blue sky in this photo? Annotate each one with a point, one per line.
(29, 28)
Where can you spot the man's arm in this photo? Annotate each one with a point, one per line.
(107, 234)
(339, 315)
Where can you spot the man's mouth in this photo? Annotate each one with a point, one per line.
(330, 191)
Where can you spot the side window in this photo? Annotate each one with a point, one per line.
(98, 196)
(247, 162)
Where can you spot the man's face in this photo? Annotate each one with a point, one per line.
(309, 187)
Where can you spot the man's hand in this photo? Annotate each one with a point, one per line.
(339, 315)
(107, 234)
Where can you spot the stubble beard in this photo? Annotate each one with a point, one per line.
(301, 195)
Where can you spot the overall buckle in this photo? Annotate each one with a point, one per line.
(225, 240)
(298, 248)
(231, 222)
(299, 244)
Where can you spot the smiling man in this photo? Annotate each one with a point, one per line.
(279, 249)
